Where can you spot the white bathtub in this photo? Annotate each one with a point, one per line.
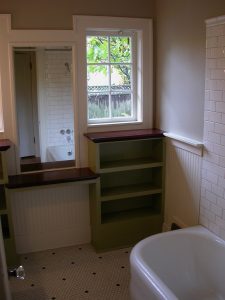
(186, 264)
(59, 153)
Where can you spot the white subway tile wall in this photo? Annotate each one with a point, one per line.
(212, 205)
(58, 87)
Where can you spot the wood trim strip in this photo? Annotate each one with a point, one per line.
(5, 144)
(109, 136)
(50, 177)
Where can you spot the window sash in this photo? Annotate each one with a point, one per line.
(111, 91)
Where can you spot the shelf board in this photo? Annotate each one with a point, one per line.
(51, 177)
(129, 164)
(5, 144)
(123, 135)
(123, 192)
(129, 214)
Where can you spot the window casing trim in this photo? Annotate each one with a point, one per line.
(143, 30)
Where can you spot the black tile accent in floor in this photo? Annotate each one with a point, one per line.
(74, 273)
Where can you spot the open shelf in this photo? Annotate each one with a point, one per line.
(129, 191)
(126, 204)
(5, 226)
(2, 198)
(130, 208)
(12, 258)
(1, 169)
(127, 214)
(129, 164)
(131, 183)
(130, 154)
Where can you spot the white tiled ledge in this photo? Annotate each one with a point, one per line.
(185, 143)
(215, 21)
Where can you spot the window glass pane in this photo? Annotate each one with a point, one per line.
(120, 49)
(109, 77)
(121, 105)
(121, 77)
(98, 106)
(97, 49)
(97, 78)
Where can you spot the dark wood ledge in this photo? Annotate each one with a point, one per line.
(109, 136)
(50, 177)
(5, 144)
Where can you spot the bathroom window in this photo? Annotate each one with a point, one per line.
(111, 76)
(116, 87)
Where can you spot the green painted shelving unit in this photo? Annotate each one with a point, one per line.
(5, 210)
(126, 203)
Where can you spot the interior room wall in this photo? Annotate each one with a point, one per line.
(180, 66)
(44, 14)
(31, 14)
(180, 38)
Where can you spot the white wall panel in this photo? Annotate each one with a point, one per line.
(50, 217)
(183, 182)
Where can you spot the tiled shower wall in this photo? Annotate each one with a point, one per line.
(212, 205)
(58, 91)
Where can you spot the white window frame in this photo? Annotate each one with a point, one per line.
(133, 64)
(143, 29)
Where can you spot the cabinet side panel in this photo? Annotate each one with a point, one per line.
(93, 156)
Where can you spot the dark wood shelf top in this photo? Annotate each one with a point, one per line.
(30, 167)
(50, 177)
(109, 136)
(5, 144)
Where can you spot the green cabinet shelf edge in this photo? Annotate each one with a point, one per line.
(127, 165)
(123, 192)
(12, 258)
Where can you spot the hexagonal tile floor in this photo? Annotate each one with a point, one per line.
(74, 273)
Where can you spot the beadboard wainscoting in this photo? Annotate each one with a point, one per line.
(183, 181)
(50, 217)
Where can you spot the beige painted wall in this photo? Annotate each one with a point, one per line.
(51, 14)
(180, 65)
(180, 47)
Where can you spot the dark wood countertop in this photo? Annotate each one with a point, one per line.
(5, 144)
(109, 136)
(50, 177)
